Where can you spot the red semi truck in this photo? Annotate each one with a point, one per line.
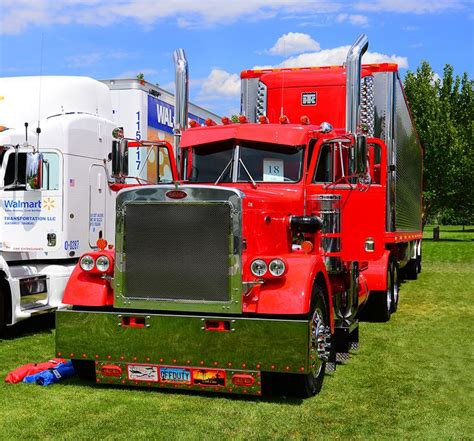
(255, 265)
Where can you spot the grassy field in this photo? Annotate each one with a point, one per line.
(412, 378)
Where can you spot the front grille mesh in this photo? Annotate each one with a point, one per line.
(177, 251)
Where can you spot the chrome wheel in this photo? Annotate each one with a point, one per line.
(389, 290)
(320, 343)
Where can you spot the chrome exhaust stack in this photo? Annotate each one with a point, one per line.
(353, 81)
(181, 98)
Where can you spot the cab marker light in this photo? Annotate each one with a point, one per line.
(263, 119)
(243, 119)
(284, 119)
(226, 121)
(304, 120)
(210, 122)
(193, 124)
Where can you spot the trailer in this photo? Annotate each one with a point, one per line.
(255, 267)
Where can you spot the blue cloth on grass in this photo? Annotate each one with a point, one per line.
(54, 375)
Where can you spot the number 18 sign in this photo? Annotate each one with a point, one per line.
(273, 170)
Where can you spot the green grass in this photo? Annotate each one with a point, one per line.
(412, 378)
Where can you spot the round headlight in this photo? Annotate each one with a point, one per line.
(277, 267)
(87, 262)
(258, 267)
(102, 263)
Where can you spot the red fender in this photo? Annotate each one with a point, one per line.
(89, 288)
(291, 293)
(376, 273)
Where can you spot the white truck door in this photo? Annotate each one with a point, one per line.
(97, 201)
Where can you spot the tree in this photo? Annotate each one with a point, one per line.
(444, 115)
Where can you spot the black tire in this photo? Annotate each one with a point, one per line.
(395, 286)
(410, 272)
(308, 385)
(85, 369)
(418, 264)
(3, 315)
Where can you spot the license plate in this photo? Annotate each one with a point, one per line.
(138, 372)
(175, 375)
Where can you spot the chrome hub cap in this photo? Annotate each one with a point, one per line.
(320, 342)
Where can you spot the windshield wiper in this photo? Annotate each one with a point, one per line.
(223, 171)
(254, 184)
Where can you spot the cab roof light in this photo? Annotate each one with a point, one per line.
(210, 122)
(304, 120)
(243, 119)
(226, 121)
(284, 119)
(263, 119)
(193, 124)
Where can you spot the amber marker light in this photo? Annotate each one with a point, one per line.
(263, 119)
(307, 246)
(284, 119)
(243, 119)
(193, 124)
(101, 244)
(210, 122)
(305, 120)
(226, 121)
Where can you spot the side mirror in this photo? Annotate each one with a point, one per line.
(34, 171)
(119, 158)
(361, 155)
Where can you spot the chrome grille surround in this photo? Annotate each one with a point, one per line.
(179, 255)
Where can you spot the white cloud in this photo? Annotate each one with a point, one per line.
(337, 56)
(294, 43)
(19, 15)
(220, 84)
(410, 6)
(354, 19)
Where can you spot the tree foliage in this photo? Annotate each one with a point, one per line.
(443, 110)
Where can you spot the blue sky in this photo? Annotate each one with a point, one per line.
(107, 39)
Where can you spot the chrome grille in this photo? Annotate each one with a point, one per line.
(177, 251)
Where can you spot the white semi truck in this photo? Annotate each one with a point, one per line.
(55, 198)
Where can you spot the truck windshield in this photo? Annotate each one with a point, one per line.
(257, 161)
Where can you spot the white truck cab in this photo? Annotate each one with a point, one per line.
(44, 228)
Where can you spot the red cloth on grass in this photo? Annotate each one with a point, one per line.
(17, 375)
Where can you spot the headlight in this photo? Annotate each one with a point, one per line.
(87, 262)
(277, 267)
(102, 263)
(258, 267)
